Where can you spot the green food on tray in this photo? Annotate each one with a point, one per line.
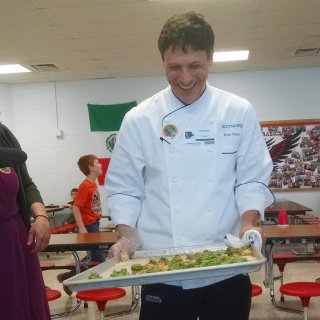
(195, 260)
(94, 275)
(120, 273)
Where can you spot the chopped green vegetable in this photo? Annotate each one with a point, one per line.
(237, 251)
(136, 267)
(163, 260)
(119, 273)
(94, 275)
(153, 261)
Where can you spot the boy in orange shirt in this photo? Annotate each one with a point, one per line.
(87, 206)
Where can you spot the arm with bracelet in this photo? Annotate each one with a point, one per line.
(28, 197)
(39, 233)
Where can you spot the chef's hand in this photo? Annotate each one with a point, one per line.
(249, 222)
(127, 243)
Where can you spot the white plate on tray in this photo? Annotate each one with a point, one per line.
(81, 282)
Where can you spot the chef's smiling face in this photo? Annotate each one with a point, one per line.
(187, 72)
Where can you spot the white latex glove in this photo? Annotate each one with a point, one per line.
(127, 243)
(233, 241)
(122, 249)
(252, 237)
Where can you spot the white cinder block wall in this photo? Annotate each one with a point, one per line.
(6, 105)
(32, 112)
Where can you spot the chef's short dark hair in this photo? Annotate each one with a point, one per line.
(187, 30)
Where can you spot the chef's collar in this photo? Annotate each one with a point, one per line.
(178, 103)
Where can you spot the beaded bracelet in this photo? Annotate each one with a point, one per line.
(41, 215)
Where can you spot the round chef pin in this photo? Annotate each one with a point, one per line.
(170, 131)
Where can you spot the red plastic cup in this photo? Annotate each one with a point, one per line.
(283, 218)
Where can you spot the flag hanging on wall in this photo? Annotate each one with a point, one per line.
(105, 121)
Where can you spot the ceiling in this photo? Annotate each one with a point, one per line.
(90, 39)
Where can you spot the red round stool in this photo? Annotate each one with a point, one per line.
(101, 297)
(256, 290)
(52, 294)
(281, 259)
(303, 290)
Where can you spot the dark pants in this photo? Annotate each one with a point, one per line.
(96, 255)
(226, 300)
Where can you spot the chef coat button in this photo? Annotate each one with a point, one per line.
(176, 210)
(179, 237)
(210, 149)
(210, 179)
(174, 180)
(211, 120)
(208, 209)
(208, 237)
(171, 150)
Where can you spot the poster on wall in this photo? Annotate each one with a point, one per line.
(294, 147)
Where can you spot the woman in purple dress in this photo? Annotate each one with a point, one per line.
(22, 290)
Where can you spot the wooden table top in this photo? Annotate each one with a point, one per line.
(53, 210)
(291, 232)
(81, 241)
(103, 240)
(291, 206)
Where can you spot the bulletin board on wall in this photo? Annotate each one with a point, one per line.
(294, 147)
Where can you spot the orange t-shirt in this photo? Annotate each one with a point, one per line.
(88, 201)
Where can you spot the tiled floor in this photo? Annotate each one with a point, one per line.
(261, 309)
(67, 302)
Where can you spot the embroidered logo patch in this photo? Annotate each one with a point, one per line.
(6, 170)
(170, 131)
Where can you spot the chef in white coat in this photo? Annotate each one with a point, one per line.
(190, 165)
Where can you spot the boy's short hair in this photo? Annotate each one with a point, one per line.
(187, 30)
(85, 161)
(74, 190)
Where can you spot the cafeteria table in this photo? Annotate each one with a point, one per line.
(79, 242)
(292, 234)
(293, 209)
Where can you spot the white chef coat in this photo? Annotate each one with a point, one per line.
(192, 187)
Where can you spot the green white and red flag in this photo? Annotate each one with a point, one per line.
(105, 122)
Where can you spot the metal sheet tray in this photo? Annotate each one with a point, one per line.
(81, 282)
